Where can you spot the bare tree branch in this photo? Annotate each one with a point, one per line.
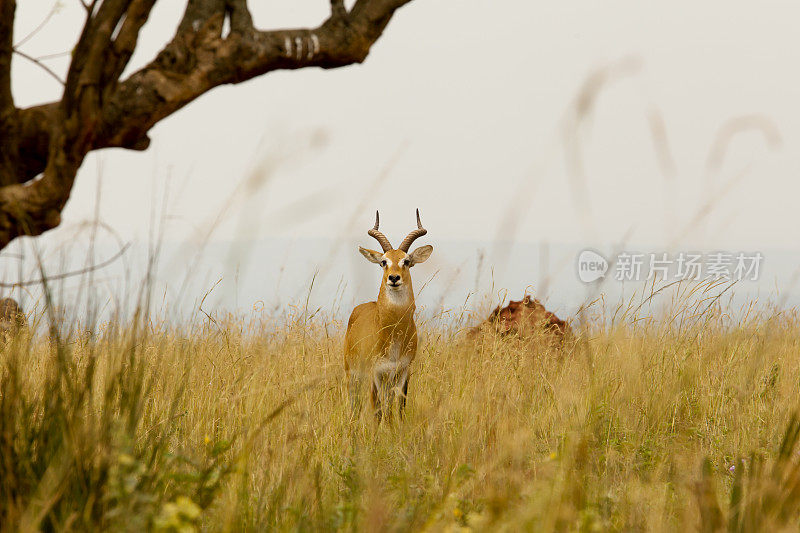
(240, 18)
(65, 275)
(54, 55)
(125, 42)
(88, 76)
(8, 113)
(199, 11)
(338, 9)
(7, 10)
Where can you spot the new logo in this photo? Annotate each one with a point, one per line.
(591, 266)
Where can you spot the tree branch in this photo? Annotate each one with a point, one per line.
(241, 20)
(7, 9)
(65, 275)
(126, 40)
(93, 53)
(8, 113)
(197, 12)
(338, 9)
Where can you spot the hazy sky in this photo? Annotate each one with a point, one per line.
(465, 109)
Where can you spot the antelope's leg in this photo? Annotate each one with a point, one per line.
(355, 390)
(404, 377)
(390, 399)
(376, 398)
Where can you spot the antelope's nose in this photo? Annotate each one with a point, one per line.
(394, 278)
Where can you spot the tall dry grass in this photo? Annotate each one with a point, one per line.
(233, 424)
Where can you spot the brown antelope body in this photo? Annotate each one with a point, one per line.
(381, 338)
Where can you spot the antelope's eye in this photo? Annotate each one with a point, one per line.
(383, 263)
(406, 262)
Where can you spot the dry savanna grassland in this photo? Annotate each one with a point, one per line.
(682, 419)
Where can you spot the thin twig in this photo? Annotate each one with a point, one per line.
(89, 7)
(41, 25)
(40, 64)
(45, 279)
(56, 55)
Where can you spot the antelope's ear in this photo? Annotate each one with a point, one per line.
(421, 254)
(371, 255)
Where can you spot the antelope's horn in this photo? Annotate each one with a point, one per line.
(380, 237)
(413, 236)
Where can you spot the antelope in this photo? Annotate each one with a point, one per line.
(381, 338)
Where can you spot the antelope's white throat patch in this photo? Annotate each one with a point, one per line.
(398, 296)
